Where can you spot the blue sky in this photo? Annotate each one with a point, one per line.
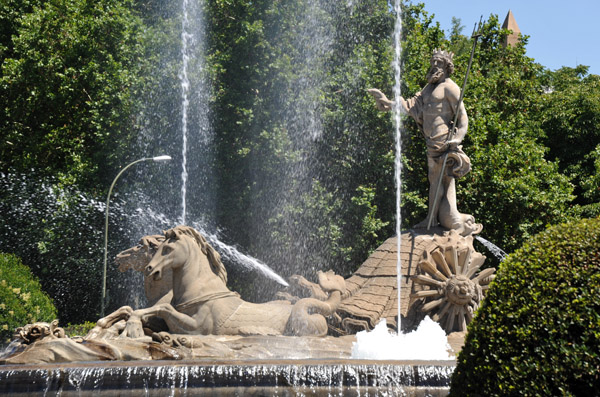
(562, 33)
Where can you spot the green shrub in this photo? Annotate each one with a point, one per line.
(22, 300)
(538, 330)
(82, 329)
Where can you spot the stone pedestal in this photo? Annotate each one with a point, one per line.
(374, 286)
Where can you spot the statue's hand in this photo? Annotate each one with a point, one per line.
(451, 144)
(382, 102)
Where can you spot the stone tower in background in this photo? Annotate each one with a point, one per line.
(511, 24)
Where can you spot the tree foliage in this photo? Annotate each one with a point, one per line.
(68, 75)
(570, 119)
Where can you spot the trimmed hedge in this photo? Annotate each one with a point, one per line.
(22, 300)
(538, 330)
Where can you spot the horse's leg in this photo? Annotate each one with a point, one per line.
(178, 323)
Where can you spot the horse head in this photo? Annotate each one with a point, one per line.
(181, 244)
(138, 257)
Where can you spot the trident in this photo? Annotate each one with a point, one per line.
(476, 34)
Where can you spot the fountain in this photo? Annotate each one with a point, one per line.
(198, 336)
(223, 360)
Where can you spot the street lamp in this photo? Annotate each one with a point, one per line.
(158, 159)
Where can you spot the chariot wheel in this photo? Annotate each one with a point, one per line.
(451, 287)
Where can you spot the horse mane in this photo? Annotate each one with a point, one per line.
(214, 259)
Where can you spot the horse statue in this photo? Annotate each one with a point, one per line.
(202, 304)
(137, 258)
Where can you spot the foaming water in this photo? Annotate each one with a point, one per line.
(427, 342)
(494, 249)
(397, 113)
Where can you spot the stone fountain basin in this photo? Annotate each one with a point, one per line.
(230, 378)
(235, 366)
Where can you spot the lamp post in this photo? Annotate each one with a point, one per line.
(157, 159)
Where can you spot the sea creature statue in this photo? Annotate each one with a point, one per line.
(32, 333)
(456, 274)
(46, 342)
(202, 304)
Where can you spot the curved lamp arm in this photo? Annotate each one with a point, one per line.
(158, 158)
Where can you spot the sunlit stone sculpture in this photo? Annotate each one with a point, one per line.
(434, 109)
(450, 286)
(194, 315)
(137, 258)
(202, 304)
(444, 283)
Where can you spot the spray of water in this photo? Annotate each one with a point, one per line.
(185, 103)
(161, 221)
(233, 254)
(53, 227)
(397, 65)
(313, 37)
(494, 249)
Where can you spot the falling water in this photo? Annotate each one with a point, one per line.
(300, 118)
(261, 378)
(185, 102)
(397, 64)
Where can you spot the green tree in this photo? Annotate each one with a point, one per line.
(510, 167)
(11, 12)
(70, 80)
(591, 186)
(459, 44)
(67, 88)
(570, 119)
